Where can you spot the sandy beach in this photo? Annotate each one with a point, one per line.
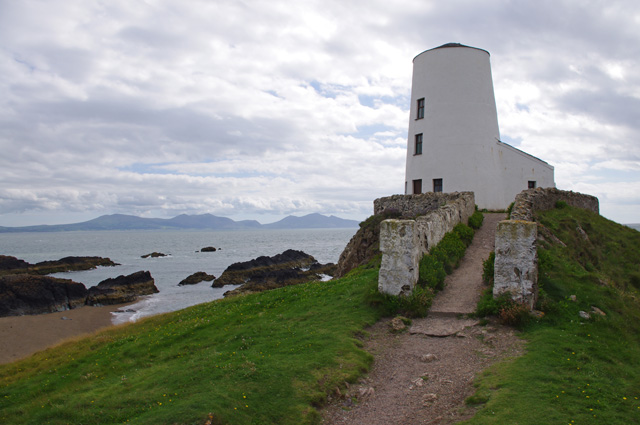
(21, 336)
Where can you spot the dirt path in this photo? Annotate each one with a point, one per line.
(424, 376)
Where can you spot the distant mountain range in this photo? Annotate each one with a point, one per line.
(189, 222)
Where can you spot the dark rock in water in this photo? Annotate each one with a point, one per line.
(12, 265)
(154, 255)
(208, 249)
(71, 264)
(197, 278)
(122, 289)
(32, 294)
(289, 268)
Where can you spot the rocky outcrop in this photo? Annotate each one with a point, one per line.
(34, 294)
(154, 254)
(197, 277)
(122, 289)
(31, 294)
(288, 268)
(364, 245)
(12, 265)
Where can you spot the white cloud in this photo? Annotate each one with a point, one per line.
(255, 107)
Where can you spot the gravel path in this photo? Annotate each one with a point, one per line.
(423, 376)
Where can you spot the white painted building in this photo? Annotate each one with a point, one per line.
(454, 141)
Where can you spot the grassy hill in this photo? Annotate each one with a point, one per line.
(576, 370)
(271, 358)
(256, 359)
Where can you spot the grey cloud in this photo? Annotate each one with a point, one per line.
(604, 105)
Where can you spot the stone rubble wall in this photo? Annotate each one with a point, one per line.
(411, 206)
(434, 225)
(516, 263)
(541, 199)
(404, 242)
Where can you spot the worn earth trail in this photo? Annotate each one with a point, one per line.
(423, 376)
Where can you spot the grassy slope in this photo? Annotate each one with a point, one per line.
(575, 370)
(262, 358)
(271, 357)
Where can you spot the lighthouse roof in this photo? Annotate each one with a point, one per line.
(452, 45)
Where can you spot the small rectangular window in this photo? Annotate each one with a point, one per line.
(420, 109)
(437, 185)
(418, 145)
(532, 184)
(417, 186)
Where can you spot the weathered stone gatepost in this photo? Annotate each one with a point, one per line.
(400, 257)
(516, 263)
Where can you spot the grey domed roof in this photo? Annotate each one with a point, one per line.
(449, 45)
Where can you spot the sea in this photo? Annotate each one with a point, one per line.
(182, 257)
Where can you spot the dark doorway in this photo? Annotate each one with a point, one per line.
(417, 186)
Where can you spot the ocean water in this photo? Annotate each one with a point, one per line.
(127, 247)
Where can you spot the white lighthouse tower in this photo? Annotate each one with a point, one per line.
(454, 141)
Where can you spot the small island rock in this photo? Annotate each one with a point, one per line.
(153, 255)
(208, 249)
(288, 268)
(197, 278)
(122, 289)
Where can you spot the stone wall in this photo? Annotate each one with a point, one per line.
(516, 263)
(399, 243)
(541, 199)
(434, 225)
(404, 242)
(412, 206)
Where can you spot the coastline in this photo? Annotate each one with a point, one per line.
(22, 336)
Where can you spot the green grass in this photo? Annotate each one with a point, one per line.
(271, 358)
(575, 370)
(258, 359)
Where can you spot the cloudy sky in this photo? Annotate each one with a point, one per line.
(261, 109)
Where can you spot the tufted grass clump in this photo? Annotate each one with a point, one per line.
(443, 258)
(509, 210)
(416, 304)
(488, 268)
(465, 233)
(431, 273)
(476, 219)
(449, 251)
